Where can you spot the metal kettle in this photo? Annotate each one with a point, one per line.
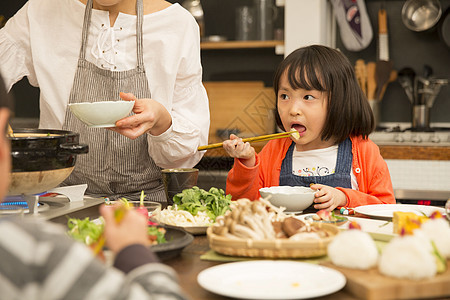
(266, 14)
(196, 9)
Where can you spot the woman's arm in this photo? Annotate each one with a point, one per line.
(15, 50)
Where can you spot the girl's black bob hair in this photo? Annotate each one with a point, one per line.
(325, 69)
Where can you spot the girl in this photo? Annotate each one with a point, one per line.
(317, 95)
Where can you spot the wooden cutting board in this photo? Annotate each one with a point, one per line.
(372, 285)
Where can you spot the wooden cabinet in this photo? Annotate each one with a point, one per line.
(243, 108)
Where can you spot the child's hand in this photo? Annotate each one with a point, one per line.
(238, 149)
(328, 197)
(132, 229)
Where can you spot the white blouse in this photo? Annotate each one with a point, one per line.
(42, 41)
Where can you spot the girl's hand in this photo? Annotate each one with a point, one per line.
(328, 197)
(132, 229)
(150, 116)
(235, 147)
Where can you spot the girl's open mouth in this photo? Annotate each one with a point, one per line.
(300, 128)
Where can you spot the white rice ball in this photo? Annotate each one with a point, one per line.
(438, 230)
(408, 256)
(353, 249)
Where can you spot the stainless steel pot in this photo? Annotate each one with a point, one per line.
(421, 15)
(42, 159)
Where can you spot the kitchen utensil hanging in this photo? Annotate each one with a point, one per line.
(383, 65)
(406, 78)
(421, 15)
(444, 28)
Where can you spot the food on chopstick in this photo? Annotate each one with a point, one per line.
(260, 220)
(353, 248)
(196, 207)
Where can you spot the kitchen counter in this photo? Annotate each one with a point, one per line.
(59, 209)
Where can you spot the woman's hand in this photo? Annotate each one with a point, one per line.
(327, 197)
(150, 116)
(235, 147)
(132, 229)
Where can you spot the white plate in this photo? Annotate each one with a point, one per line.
(380, 230)
(195, 230)
(386, 211)
(270, 279)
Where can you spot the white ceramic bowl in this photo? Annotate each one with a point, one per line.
(293, 198)
(101, 114)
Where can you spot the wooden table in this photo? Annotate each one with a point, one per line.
(188, 265)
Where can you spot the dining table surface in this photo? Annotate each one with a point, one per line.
(189, 264)
(362, 284)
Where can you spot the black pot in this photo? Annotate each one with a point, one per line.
(51, 150)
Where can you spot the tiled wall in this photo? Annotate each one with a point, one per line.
(420, 174)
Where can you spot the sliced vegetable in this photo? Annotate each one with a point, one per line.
(157, 235)
(142, 209)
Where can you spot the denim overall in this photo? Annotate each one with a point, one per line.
(340, 178)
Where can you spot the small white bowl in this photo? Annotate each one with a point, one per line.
(294, 198)
(101, 114)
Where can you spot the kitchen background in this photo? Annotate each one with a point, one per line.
(407, 49)
(230, 71)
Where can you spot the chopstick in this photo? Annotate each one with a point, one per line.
(10, 132)
(260, 138)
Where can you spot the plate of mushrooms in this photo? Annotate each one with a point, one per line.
(260, 229)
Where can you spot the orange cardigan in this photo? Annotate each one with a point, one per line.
(369, 167)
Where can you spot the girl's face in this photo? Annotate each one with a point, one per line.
(304, 111)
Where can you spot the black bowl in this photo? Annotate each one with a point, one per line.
(177, 240)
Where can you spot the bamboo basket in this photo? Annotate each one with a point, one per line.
(278, 248)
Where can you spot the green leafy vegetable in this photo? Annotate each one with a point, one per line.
(214, 202)
(84, 230)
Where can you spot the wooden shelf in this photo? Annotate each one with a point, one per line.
(240, 44)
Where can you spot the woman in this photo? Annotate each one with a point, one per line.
(92, 50)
